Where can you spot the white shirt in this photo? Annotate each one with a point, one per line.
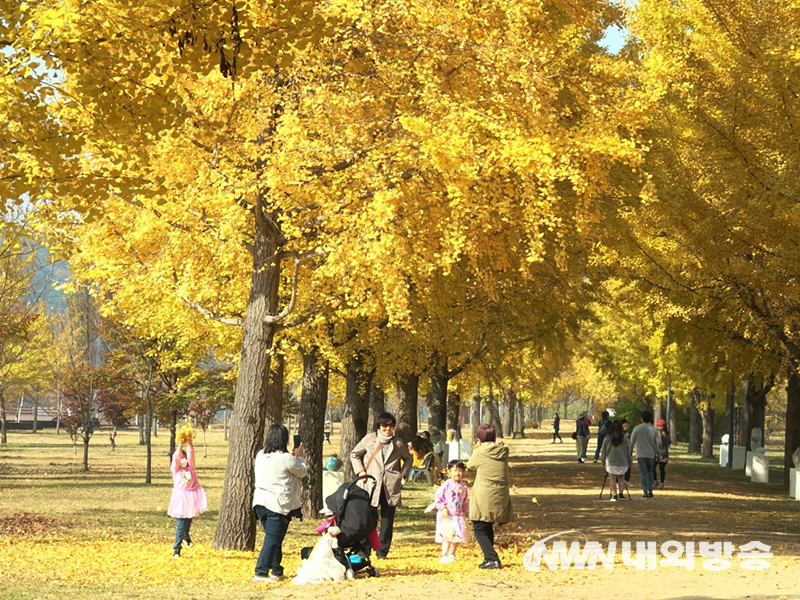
(277, 485)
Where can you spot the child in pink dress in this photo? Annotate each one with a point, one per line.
(452, 502)
(188, 497)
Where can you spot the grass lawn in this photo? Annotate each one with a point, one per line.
(67, 534)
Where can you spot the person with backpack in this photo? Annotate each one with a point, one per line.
(602, 430)
(387, 459)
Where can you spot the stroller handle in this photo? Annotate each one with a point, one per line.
(355, 483)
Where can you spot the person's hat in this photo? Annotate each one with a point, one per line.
(583, 414)
(661, 423)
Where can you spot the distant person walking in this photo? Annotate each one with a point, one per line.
(556, 426)
(602, 430)
(581, 436)
(644, 440)
(662, 458)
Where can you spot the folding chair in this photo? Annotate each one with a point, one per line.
(423, 469)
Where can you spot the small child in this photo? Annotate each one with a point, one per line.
(662, 458)
(452, 502)
(188, 498)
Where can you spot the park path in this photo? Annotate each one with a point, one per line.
(702, 502)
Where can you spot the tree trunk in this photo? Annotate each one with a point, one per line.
(672, 420)
(407, 400)
(510, 402)
(313, 404)
(453, 411)
(86, 438)
(707, 416)
(475, 411)
(493, 416)
(148, 436)
(3, 421)
(377, 402)
(519, 420)
(236, 523)
(19, 408)
(225, 416)
(142, 441)
(355, 410)
(35, 415)
(755, 407)
(695, 427)
(437, 407)
(792, 423)
(173, 431)
(275, 387)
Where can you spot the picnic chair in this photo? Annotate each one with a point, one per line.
(426, 469)
(627, 491)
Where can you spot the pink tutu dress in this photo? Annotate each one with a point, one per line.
(188, 496)
(455, 498)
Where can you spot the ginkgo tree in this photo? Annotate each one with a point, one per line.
(500, 135)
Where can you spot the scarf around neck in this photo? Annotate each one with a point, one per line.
(384, 439)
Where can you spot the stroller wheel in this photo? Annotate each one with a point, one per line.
(372, 571)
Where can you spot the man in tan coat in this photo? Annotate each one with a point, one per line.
(380, 454)
(490, 501)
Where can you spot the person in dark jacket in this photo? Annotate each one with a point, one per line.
(602, 430)
(581, 436)
(556, 425)
(662, 458)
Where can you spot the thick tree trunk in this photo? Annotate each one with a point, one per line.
(142, 441)
(407, 400)
(236, 524)
(519, 420)
(377, 402)
(437, 407)
(695, 425)
(707, 416)
(35, 415)
(792, 423)
(313, 404)
(475, 412)
(510, 402)
(493, 413)
(275, 385)
(755, 407)
(453, 411)
(355, 410)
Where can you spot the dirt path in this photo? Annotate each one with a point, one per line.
(701, 503)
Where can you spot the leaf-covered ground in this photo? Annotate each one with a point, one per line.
(66, 534)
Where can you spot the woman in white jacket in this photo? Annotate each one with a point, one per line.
(277, 493)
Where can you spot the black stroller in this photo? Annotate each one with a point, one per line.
(355, 516)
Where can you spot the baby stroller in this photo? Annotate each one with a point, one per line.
(353, 513)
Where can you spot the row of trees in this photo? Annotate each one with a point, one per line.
(416, 198)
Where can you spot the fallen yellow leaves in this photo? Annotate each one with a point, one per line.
(61, 558)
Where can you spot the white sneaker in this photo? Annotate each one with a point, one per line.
(447, 559)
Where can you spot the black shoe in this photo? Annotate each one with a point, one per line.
(490, 564)
(188, 543)
(650, 494)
